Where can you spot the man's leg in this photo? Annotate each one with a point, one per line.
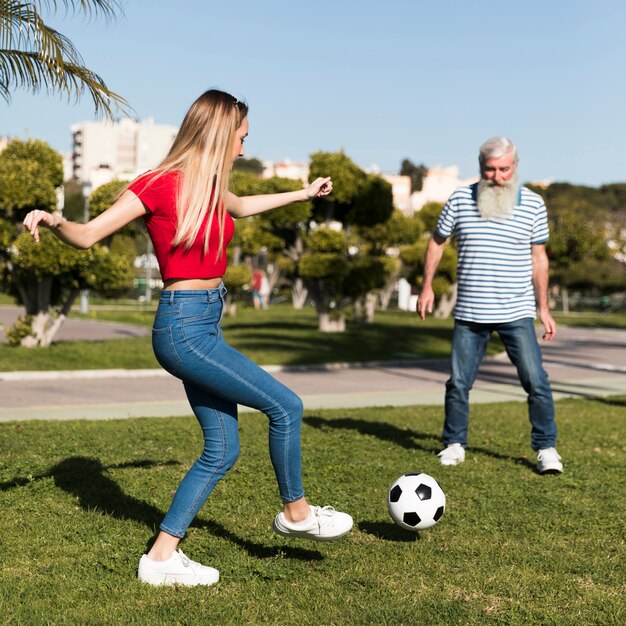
(523, 349)
(469, 343)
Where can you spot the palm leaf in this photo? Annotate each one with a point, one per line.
(35, 56)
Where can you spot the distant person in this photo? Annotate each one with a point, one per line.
(189, 214)
(265, 291)
(256, 284)
(501, 230)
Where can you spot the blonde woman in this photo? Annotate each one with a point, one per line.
(189, 214)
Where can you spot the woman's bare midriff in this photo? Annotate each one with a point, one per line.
(177, 284)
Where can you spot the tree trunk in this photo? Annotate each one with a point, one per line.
(387, 291)
(46, 324)
(365, 307)
(446, 304)
(331, 323)
(299, 294)
(230, 305)
(565, 300)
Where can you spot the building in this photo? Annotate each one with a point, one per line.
(438, 185)
(102, 151)
(400, 190)
(286, 169)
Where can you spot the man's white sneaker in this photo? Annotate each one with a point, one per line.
(323, 524)
(549, 461)
(178, 569)
(453, 454)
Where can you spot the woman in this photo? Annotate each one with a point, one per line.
(188, 211)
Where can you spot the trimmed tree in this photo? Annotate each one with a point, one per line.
(45, 277)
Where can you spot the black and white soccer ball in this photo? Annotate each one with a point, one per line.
(416, 501)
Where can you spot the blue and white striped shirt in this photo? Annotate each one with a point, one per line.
(494, 271)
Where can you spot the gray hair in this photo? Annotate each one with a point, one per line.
(495, 148)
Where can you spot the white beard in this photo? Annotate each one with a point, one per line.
(497, 201)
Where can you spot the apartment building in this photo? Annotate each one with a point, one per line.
(102, 151)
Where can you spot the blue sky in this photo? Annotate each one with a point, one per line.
(383, 81)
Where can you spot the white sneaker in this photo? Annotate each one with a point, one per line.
(453, 454)
(323, 524)
(549, 461)
(178, 569)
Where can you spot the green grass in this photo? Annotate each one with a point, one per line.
(593, 320)
(277, 336)
(80, 501)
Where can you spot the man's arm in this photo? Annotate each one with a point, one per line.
(434, 251)
(540, 283)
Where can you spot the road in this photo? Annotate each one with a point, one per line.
(580, 362)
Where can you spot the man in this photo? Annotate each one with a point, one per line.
(501, 230)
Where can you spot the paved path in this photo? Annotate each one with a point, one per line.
(74, 329)
(580, 362)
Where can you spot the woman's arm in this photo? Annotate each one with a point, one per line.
(83, 236)
(251, 205)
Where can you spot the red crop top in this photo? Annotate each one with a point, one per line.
(159, 198)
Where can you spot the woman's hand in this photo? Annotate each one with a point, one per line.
(319, 188)
(35, 218)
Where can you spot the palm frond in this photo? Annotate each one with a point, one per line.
(35, 56)
(90, 8)
(28, 70)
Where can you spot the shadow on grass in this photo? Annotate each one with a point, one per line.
(85, 478)
(258, 550)
(388, 531)
(404, 437)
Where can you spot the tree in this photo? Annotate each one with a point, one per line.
(349, 271)
(444, 283)
(274, 239)
(415, 172)
(74, 201)
(587, 237)
(384, 241)
(249, 166)
(429, 215)
(36, 57)
(30, 173)
(348, 181)
(45, 277)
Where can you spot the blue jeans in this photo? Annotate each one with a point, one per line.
(469, 343)
(188, 342)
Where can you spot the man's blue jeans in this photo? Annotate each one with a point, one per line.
(468, 348)
(188, 343)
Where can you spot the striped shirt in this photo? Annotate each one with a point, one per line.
(494, 270)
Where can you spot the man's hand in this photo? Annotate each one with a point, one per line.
(549, 325)
(425, 302)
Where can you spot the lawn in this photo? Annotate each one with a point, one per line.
(80, 501)
(280, 336)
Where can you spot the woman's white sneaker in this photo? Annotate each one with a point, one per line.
(177, 570)
(323, 524)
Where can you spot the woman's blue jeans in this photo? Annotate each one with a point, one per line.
(469, 343)
(188, 342)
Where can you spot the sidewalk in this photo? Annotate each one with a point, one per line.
(580, 363)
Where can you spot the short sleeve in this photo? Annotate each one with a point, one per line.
(154, 189)
(541, 232)
(447, 220)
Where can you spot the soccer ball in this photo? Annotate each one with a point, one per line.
(416, 501)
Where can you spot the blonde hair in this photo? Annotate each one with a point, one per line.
(201, 152)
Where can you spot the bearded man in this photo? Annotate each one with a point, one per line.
(502, 277)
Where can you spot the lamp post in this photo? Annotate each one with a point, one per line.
(84, 293)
